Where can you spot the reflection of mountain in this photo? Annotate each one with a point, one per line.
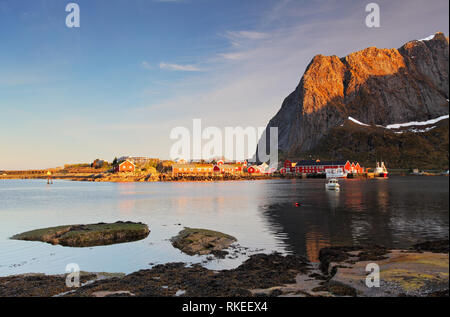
(314, 241)
(310, 227)
(393, 213)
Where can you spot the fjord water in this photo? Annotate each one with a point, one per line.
(289, 216)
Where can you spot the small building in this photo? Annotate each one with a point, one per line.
(320, 167)
(289, 167)
(253, 170)
(238, 166)
(193, 169)
(126, 166)
(264, 168)
(359, 169)
(229, 169)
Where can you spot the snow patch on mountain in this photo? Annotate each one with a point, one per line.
(397, 126)
(416, 130)
(429, 38)
(358, 122)
(416, 123)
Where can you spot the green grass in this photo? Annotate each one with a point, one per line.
(35, 235)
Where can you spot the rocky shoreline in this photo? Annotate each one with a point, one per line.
(130, 178)
(133, 178)
(420, 271)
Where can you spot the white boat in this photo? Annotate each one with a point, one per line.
(335, 173)
(381, 170)
(333, 184)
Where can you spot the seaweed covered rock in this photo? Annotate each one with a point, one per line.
(38, 285)
(439, 246)
(260, 271)
(420, 271)
(202, 241)
(88, 235)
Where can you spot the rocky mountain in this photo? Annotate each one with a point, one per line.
(375, 87)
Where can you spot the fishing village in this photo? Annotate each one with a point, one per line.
(141, 169)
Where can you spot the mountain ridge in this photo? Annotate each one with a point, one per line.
(375, 86)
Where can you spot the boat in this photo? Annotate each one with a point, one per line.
(335, 173)
(333, 184)
(381, 170)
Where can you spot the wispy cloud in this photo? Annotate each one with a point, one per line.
(179, 67)
(250, 35)
(241, 42)
(238, 38)
(146, 65)
(233, 56)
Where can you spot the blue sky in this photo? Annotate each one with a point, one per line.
(137, 68)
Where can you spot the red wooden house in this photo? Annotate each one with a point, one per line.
(359, 169)
(319, 167)
(253, 170)
(126, 166)
(288, 167)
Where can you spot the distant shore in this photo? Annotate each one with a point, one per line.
(142, 177)
(127, 178)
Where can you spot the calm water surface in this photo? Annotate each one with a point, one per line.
(261, 214)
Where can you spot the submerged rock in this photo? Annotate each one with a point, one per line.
(201, 241)
(88, 235)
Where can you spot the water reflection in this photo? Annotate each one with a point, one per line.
(126, 206)
(315, 240)
(291, 216)
(333, 199)
(394, 213)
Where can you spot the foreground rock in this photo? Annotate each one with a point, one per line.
(88, 235)
(340, 273)
(201, 241)
(402, 272)
(41, 285)
(260, 271)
